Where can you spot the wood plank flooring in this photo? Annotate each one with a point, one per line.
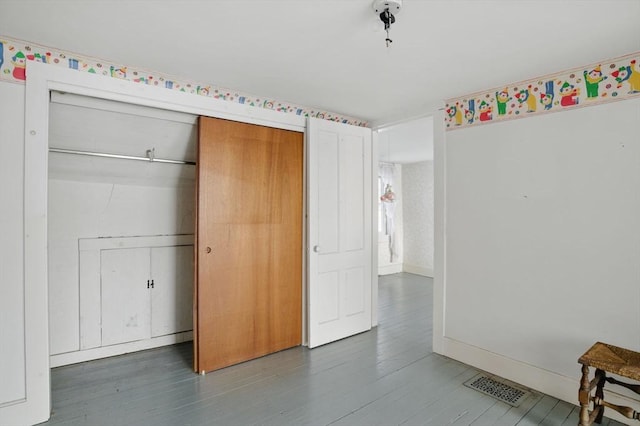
(388, 376)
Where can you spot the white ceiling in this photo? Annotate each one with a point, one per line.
(330, 54)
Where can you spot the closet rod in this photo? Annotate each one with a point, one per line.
(124, 157)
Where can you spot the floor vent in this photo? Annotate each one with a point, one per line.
(498, 388)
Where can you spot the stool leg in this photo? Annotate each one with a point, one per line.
(601, 377)
(583, 397)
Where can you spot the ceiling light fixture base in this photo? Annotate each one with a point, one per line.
(394, 6)
(386, 10)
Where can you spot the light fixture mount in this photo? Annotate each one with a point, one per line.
(394, 6)
(387, 9)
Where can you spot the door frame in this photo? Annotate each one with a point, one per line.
(42, 79)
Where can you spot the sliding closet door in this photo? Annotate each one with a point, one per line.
(339, 234)
(248, 298)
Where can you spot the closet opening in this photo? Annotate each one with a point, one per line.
(121, 221)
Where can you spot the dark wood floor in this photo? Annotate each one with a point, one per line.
(388, 376)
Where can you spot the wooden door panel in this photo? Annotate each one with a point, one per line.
(249, 242)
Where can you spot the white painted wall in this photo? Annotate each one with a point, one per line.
(12, 324)
(385, 265)
(541, 247)
(417, 218)
(98, 197)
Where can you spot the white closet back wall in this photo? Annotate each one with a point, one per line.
(114, 223)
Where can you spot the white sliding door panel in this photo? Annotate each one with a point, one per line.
(354, 292)
(328, 297)
(339, 231)
(352, 171)
(126, 308)
(172, 293)
(328, 192)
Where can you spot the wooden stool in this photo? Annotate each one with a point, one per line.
(606, 359)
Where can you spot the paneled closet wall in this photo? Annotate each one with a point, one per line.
(120, 231)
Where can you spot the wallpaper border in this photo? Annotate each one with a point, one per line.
(607, 81)
(14, 54)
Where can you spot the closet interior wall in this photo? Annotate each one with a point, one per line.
(114, 223)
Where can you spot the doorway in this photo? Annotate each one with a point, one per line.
(406, 198)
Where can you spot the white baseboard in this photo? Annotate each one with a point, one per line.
(418, 270)
(547, 382)
(107, 351)
(393, 268)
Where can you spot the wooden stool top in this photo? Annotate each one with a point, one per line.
(613, 359)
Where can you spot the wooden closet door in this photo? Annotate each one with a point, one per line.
(248, 297)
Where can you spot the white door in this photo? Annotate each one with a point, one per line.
(339, 230)
(172, 292)
(126, 304)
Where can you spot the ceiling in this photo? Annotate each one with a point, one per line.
(331, 54)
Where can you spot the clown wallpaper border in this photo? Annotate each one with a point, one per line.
(605, 81)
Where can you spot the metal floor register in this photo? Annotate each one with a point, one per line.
(498, 388)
